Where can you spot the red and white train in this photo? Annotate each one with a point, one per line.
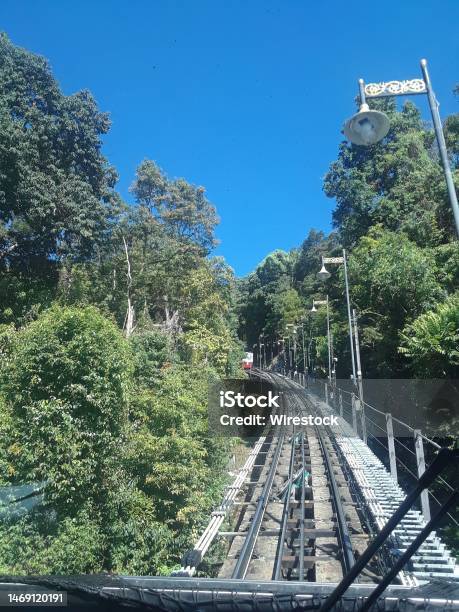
(247, 362)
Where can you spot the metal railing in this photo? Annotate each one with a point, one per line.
(406, 455)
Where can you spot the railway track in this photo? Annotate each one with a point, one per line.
(306, 505)
(298, 519)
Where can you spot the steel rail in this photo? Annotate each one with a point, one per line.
(343, 529)
(344, 535)
(381, 514)
(285, 513)
(303, 518)
(247, 549)
(300, 407)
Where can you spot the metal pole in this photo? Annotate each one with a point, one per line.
(328, 340)
(359, 377)
(294, 350)
(419, 447)
(391, 446)
(289, 354)
(305, 362)
(357, 353)
(433, 103)
(362, 92)
(354, 415)
(349, 317)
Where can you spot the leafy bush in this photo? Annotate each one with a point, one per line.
(151, 350)
(177, 464)
(65, 383)
(431, 342)
(36, 545)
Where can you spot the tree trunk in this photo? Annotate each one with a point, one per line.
(130, 314)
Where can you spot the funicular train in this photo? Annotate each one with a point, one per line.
(247, 362)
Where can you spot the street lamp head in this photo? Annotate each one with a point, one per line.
(366, 127)
(313, 309)
(323, 274)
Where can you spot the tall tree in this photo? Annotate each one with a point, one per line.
(56, 188)
(393, 281)
(180, 207)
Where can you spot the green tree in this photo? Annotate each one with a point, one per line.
(66, 390)
(209, 332)
(393, 281)
(65, 386)
(56, 187)
(181, 208)
(431, 341)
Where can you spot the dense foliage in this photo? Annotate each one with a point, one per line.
(113, 319)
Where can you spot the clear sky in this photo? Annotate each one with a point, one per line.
(244, 97)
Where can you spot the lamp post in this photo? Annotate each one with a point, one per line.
(368, 127)
(357, 350)
(323, 274)
(359, 376)
(284, 346)
(305, 359)
(294, 332)
(314, 309)
(262, 351)
(312, 365)
(290, 361)
(335, 361)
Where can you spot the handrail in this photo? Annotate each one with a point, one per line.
(444, 457)
(356, 414)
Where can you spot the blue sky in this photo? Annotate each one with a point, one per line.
(246, 97)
